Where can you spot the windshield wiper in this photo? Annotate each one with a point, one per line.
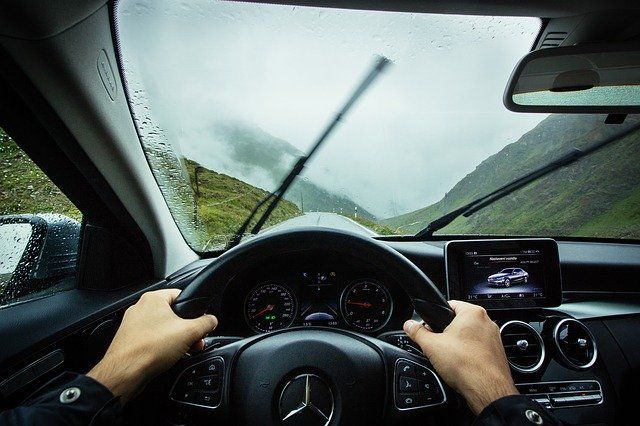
(275, 197)
(468, 209)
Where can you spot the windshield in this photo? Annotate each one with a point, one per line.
(227, 95)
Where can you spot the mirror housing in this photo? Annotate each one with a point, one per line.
(586, 79)
(49, 254)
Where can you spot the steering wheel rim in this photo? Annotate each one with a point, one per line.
(204, 293)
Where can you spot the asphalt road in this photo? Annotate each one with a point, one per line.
(322, 219)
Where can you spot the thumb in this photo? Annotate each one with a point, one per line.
(204, 324)
(424, 337)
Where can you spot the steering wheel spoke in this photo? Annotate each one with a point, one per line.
(413, 387)
(199, 388)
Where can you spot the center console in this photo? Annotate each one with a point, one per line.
(564, 394)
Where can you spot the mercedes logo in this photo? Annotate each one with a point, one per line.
(306, 400)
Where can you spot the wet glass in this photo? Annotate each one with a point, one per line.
(227, 95)
(28, 196)
(14, 238)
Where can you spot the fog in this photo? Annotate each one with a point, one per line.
(429, 120)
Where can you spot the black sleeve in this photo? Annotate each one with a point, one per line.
(515, 410)
(69, 399)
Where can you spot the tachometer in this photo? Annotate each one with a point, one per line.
(366, 305)
(270, 307)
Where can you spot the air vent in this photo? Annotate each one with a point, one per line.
(523, 345)
(553, 39)
(575, 343)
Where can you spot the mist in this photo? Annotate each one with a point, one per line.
(429, 120)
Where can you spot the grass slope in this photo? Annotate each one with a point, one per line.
(596, 196)
(224, 202)
(24, 188)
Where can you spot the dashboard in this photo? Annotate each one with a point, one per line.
(565, 357)
(315, 289)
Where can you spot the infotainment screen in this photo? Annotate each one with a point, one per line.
(504, 274)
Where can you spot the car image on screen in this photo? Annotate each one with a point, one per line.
(508, 276)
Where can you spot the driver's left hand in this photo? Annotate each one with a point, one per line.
(150, 340)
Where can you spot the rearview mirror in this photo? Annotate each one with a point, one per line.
(593, 79)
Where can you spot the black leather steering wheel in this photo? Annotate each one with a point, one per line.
(206, 290)
(308, 375)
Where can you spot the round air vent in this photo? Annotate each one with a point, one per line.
(523, 345)
(575, 344)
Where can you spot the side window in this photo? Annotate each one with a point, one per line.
(39, 229)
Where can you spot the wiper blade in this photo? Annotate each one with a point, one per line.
(275, 197)
(570, 157)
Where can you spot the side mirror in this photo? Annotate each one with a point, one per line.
(592, 79)
(36, 253)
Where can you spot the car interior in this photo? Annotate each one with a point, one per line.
(316, 302)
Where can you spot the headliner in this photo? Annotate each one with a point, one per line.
(38, 19)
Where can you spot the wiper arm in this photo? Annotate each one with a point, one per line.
(570, 157)
(275, 197)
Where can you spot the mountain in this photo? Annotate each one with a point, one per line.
(596, 196)
(256, 157)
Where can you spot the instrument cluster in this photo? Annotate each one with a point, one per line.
(329, 293)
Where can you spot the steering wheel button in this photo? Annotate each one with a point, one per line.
(410, 400)
(428, 388)
(213, 368)
(208, 383)
(405, 368)
(423, 373)
(210, 399)
(184, 396)
(407, 384)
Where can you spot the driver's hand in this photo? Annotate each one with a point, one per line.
(468, 355)
(151, 338)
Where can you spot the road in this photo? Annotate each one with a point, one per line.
(322, 219)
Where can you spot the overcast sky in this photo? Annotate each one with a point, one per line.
(425, 124)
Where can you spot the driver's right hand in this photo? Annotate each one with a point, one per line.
(468, 355)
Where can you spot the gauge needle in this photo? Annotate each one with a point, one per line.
(363, 304)
(263, 310)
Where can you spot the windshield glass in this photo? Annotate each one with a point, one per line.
(227, 95)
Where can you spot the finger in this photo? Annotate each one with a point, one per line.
(169, 295)
(197, 346)
(423, 337)
(204, 324)
(459, 306)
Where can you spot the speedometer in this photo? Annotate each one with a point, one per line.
(366, 305)
(269, 307)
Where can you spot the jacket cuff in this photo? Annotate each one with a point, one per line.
(515, 410)
(78, 396)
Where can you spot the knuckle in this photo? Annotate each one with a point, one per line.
(480, 312)
(130, 311)
(414, 331)
(194, 330)
(145, 297)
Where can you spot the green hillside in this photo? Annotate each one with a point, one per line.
(224, 202)
(596, 196)
(24, 188)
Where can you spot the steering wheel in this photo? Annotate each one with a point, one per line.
(310, 376)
